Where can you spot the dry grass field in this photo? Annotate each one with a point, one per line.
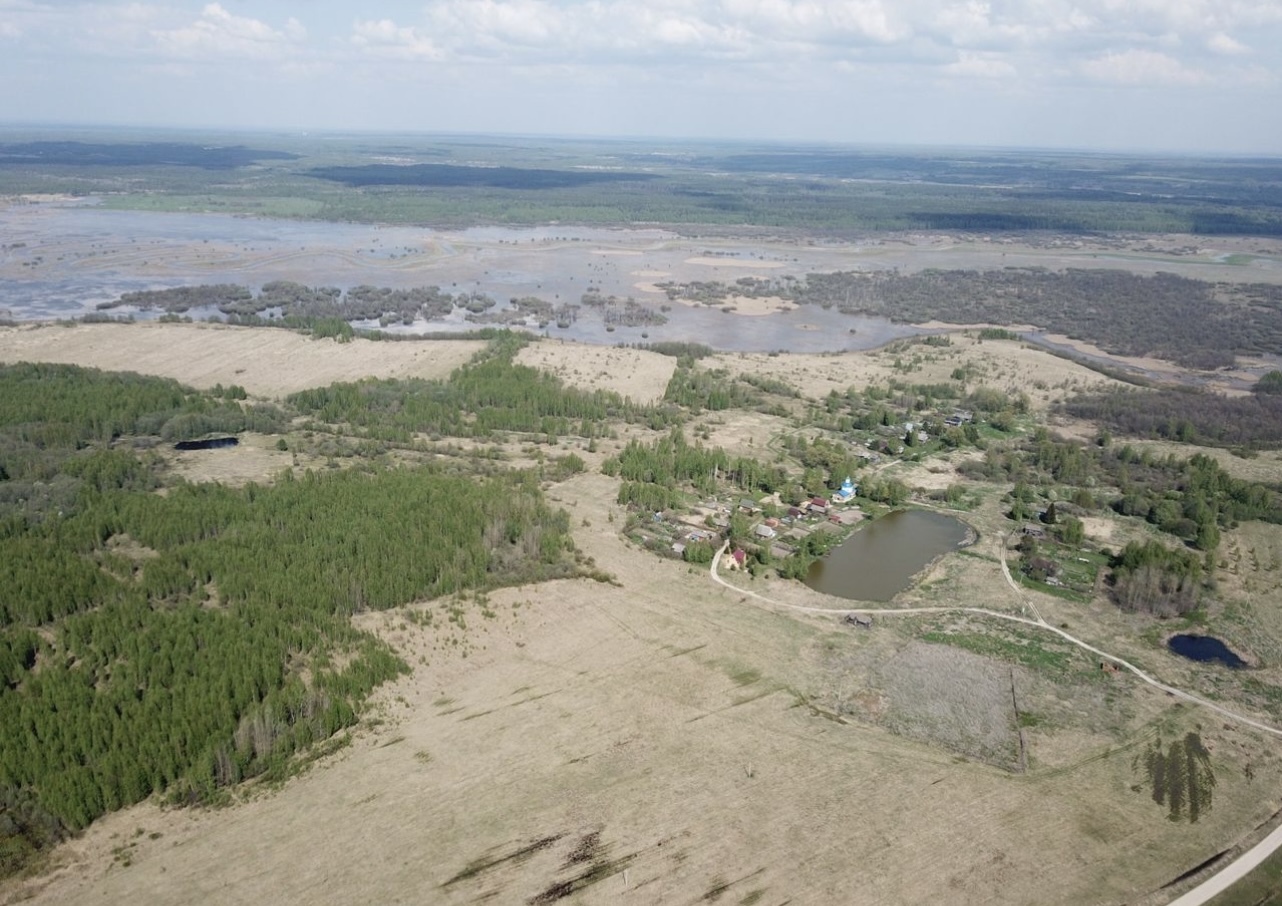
(269, 363)
(1009, 366)
(255, 459)
(635, 373)
(662, 739)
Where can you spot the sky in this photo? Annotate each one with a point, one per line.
(1147, 75)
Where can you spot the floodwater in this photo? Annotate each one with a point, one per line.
(879, 561)
(63, 260)
(1204, 649)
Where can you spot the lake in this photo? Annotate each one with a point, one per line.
(879, 561)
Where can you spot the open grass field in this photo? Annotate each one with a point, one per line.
(661, 739)
(632, 373)
(267, 363)
(1006, 365)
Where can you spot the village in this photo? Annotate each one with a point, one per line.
(766, 532)
(766, 529)
(774, 528)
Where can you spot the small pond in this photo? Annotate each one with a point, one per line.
(879, 561)
(214, 443)
(1205, 648)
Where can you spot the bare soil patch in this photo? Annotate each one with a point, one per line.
(936, 474)
(266, 362)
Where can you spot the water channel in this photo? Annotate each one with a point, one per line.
(879, 561)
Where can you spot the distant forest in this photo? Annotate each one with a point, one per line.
(134, 154)
(452, 175)
(465, 181)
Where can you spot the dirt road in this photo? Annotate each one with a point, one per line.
(1199, 895)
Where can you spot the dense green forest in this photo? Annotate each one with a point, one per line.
(185, 641)
(672, 462)
(1155, 579)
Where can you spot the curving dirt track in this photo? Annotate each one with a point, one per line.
(1204, 892)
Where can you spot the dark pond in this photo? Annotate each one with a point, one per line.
(1205, 648)
(879, 561)
(211, 444)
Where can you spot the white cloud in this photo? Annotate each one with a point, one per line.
(979, 66)
(623, 31)
(979, 35)
(803, 20)
(19, 17)
(386, 38)
(1223, 44)
(1141, 67)
(219, 34)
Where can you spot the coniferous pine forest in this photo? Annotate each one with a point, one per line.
(158, 636)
